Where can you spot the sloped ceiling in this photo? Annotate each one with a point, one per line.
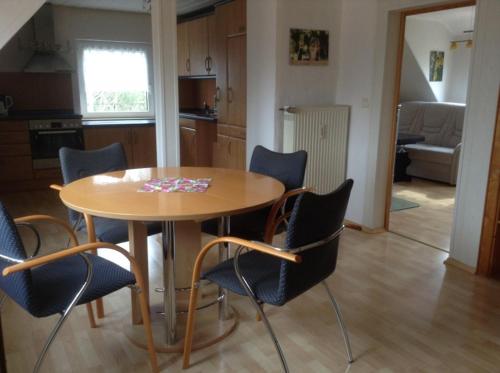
(455, 20)
(183, 6)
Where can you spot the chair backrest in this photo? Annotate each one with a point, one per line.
(18, 286)
(289, 168)
(314, 218)
(76, 164)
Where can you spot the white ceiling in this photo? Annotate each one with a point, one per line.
(183, 6)
(456, 20)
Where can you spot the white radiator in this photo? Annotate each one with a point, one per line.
(323, 133)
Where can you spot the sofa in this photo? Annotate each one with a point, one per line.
(441, 123)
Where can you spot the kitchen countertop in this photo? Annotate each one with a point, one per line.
(39, 114)
(118, 122)
(198, 114)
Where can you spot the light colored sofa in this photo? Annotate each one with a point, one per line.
(441, 123)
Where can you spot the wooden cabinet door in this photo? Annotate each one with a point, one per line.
(236, 80)
(144, 147)
(198, 46)
(187, 138)
(212, 42)
(236, 22)
(229, 152)
(182, 49)
(96, 138)
(221, 19)
(16, 168)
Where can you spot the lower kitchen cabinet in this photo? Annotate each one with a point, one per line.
(229, 152)
(139, 143)
(15, 151)
(196, 141)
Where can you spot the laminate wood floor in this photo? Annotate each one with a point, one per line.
(432, 221)
(406, 312)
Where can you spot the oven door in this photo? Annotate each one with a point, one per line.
(45, 145)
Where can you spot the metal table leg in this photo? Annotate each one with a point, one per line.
(169, 301)
(223, 230)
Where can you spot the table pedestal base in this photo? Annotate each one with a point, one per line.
(209, 330)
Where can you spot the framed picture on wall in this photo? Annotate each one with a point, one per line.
(436, 64)
(308, 47)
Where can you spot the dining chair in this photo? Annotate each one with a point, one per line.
(56, 283)
(76, 164)
(289, 168)
(275, 276)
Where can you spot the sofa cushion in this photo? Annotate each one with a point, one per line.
(430, 153)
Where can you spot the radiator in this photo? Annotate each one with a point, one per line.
(323, 133)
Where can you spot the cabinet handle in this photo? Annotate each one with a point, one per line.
(188, 65)
(229, 147)
(217, 94)
(229, 95)
(207, 64)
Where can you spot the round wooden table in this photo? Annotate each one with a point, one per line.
(116, 195)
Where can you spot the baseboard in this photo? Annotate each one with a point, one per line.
(353, 225)
(458, 264)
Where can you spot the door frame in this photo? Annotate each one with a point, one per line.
(397, 87)
(489, 255)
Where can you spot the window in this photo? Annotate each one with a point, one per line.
(115, 79)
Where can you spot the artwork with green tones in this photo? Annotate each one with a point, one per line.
(436, 65)
(308, 47)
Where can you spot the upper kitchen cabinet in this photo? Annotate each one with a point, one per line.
(195, 47)
(183, 64)
(237, 18)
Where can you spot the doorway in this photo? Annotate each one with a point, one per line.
(434, 54)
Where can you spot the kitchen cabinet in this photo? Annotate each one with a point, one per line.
(195, 47)
(230, 51)
(15, 151)
(139, 143)
(236, 80)
(182, 49)
(229, 152)
(196, 142)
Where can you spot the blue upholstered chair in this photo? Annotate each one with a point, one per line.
(56, 283)
(76, 164)
(275, 276)
(289, 168)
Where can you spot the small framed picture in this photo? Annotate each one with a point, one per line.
(436, 65)
(308, 47)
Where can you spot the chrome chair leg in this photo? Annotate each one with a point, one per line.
(65, 314)
(256, 305)
(340, 319)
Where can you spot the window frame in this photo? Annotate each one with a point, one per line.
(81, 44)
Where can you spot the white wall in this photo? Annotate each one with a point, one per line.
(354, 88)
(262, 74)
(72, 23)
(13, 15)
(275, 83)
(480, 118)
(422, 37)
(12, 58)
(456, 90)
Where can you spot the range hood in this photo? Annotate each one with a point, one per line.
(46, 56)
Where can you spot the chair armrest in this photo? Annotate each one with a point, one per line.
(261, 247)
(49, 219)
(46, 259)
(56, 187)
(273, 221)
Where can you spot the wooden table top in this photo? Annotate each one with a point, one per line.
(115, 194)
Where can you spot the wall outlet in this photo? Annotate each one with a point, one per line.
(365, 102)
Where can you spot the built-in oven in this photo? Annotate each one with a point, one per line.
(47, 136)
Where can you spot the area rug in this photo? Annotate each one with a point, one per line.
(398, 204)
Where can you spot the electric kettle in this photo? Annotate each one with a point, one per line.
(6, 103)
